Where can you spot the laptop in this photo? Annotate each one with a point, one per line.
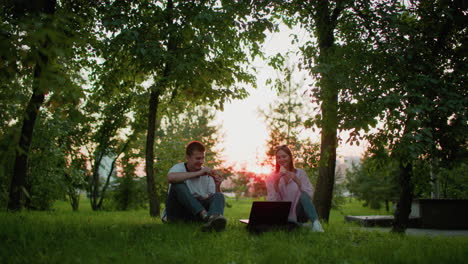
(268, 215)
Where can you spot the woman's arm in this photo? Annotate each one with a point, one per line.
(306, 186)
(272, 188)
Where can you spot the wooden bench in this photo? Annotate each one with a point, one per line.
(425, 213)
(379, 220)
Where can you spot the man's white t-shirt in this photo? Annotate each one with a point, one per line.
(200, 187)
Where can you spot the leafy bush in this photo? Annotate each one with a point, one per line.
(46, 169)
(375, 181)
(129, 193)
(7, 157)
(454, 182)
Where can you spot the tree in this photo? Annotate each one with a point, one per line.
(416, 98)
(358, 86)
(129, 191)
(320, 58)
(19, 179)
(57, 169)
(374, 181)
(286, 118)
(43, 39)
(188, 49)
(106, 141)
(247, 183)
(240, 182)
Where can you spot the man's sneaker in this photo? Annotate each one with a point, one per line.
(317, 227)
(215, 222)
(164, 216)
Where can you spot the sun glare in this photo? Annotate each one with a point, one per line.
(238, 164)
(259, 169)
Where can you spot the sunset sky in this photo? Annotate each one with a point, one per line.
(245, 132)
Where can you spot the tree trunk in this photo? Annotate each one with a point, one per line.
(95, 182)
(106, 184)
(74, 200)
(329, 96)
(324, 190)
(75, 203)
(151, 187)
(326, 180)
(73, 194)
(109, 175)
(152, 118)
(403, 208)
(19, 182)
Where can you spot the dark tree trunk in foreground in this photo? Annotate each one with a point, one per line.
(19, 182)
(403, 208)
(152, 118)
(326, 180)
(151, 187)
(326, 23)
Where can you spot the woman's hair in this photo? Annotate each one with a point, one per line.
(194, 146)
(286, 149)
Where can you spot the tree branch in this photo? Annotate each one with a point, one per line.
(340, 5)
(101, 198)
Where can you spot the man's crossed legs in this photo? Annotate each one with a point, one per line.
(181, 205)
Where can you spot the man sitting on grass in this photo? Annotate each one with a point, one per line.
(194, 191)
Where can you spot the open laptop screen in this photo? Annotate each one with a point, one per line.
(268, 213)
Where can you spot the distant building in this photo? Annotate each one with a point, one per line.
(344, 164)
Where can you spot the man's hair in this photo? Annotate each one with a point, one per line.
(194, 146)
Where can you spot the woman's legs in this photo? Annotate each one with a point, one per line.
(305, 209)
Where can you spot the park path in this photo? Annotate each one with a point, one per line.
(421, 231)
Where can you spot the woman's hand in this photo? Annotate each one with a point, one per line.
(291, 176)
(275, 178)
(288, 175)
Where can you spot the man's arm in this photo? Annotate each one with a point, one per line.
(218, 187)
(218, 179)
(175, 177)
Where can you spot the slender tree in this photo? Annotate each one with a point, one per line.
(320, 19)
(18, 187)
(286, 118)
(45, 40)
(191, 50)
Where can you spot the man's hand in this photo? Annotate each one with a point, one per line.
(218, 179)
(206, 171)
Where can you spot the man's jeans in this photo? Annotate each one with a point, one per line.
(181, 205)
(305, 209)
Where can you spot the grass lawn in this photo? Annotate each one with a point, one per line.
(63, 236)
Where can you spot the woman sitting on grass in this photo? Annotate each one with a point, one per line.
(287, 183)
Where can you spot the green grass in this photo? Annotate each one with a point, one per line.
(63, 236)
